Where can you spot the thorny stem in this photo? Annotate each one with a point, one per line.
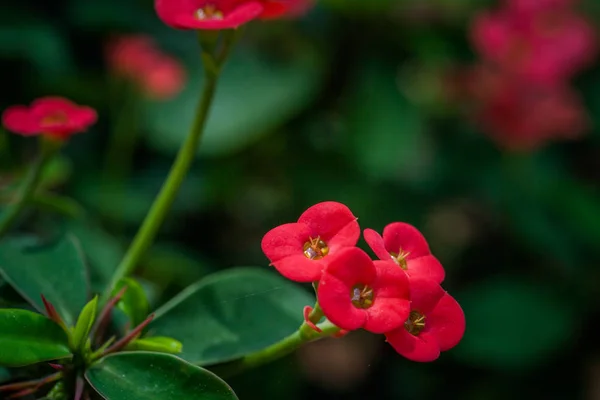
(213, 64)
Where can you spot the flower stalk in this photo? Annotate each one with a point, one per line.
(213, 62)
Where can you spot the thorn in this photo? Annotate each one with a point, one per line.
(307, 321)
(104, 318)
(129, 337)
(57, 367)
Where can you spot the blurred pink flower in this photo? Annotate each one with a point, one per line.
(138, 59)
(542, 41)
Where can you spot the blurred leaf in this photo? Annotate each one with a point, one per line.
(103, 252)
(387, 132)
(255, 95)
(149, 376)
(134, 302)
(159, 344)
(40, 43)
(84, 323)
(56, 271)
(29, 338)
(512, 324)
(102, 15)
(231, 313)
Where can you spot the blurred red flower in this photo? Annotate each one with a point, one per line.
(285, 8)
(208, 14)
(519, 115)
(406, 247)
(53, 116)
(137, 58)
(436, 323)
(356, 292)
(544, 45)
(299, 250)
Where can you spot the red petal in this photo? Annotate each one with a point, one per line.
(333, 222)
(447, 322)
(391, 281)
(402, 236)
(427, 267)
(285, 240)
(299, 268)
(376, 243)
(232, 19)
(422, 348)
(18, 119)
(51, 104)
(425, 295)
(335, 301)
(351, 266)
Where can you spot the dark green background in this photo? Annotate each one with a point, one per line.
(342, 105)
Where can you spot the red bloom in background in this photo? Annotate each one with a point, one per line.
(436, 323)
(522, 116)
(356, 292)
(284, 8)
(53, 116)
(405, 245)
(208, 14)
(137, 58)
(545, 45)
(300, 250)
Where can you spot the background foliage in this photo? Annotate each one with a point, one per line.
(342, 105)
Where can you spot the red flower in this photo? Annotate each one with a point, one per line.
(520, 115)
(436, 323)
(546, 46)
(284, 8)
(53, 116)
(406, 246)
(299, 251)
(207, 14)
(137, 58)
(356, 292)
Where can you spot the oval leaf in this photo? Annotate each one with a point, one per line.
(134, 302)
(232, 313)
(155, 376)
(56, 271)
(27, 338)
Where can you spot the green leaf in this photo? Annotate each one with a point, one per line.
(514, 324)
(27, 338)
(232, 313)
(57, 271)
(160, 344)
(84, 323)
(134, 302)
(155, 376)
(250, 90)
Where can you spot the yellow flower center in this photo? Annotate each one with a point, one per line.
(400, 258)
(315, 249)
(209, 12)
(58, 117)
(415, 323)
(362, 296)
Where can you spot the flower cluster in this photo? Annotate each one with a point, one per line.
(398, 295)
(55, 117)
(138, 59)
(530, 49)
(224, 14)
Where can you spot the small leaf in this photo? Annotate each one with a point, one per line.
(84, 324)
(27, 338)
(134, 302)
(232, 313)
(55, 271)
(159, 344)
(154, 376)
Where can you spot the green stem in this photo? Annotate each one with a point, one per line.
(25, 193)
(280, 349)
(162, 204)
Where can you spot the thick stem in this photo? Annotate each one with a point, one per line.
(25, 193)
(162, 204)
(278, 350)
